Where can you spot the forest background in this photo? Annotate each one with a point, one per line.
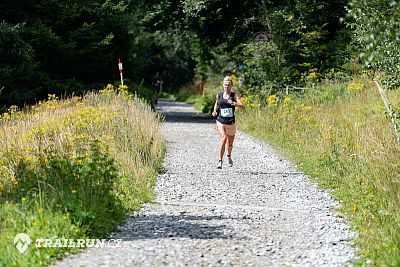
(65, 47)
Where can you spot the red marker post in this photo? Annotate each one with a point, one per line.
(120, 71)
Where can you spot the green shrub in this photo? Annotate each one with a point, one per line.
(73, 169)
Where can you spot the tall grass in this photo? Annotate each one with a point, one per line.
(339, 134)
(73, 168)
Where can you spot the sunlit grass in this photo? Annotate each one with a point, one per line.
(73, 168)
(339, 134)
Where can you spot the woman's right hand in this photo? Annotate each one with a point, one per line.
(214, 113)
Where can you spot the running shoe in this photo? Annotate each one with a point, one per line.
(219, 164)
(230, 161)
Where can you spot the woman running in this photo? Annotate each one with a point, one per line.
(224, 107)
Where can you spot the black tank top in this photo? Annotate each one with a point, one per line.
(226, 112)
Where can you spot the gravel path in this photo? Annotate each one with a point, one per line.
(261, 212)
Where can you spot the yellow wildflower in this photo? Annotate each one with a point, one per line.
(272, 100)
(355, 87)
(312, 74)
(287, 100)
(122, 88)
(234, 78)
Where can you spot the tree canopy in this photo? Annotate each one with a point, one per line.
(65, 47)
(376, 25)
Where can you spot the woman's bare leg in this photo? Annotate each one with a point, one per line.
(223, 139)
(230, 138)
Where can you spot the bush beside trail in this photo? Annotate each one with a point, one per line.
(73, 168)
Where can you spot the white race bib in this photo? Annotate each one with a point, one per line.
(227, 112)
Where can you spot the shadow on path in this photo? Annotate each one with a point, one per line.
(167, 226)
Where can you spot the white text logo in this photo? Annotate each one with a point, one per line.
(22, 242)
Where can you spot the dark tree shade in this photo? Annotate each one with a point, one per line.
(62, 46)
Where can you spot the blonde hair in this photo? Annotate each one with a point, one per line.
(228, 78)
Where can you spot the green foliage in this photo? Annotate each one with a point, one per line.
(325, 93)
(190, 94)
(71, 46)
(73, 169)
(62, 47)
(264, 72)
(376, 25)
(394, 115)
(17, 65)
(32, 217)
(78, 185)
(217, 36)
(208, 104)
(305, 38)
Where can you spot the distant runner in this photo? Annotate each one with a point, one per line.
(156, 84)
(224, 107)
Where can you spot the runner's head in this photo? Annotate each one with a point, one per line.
(228, 83)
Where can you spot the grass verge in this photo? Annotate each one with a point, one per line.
(72, 169)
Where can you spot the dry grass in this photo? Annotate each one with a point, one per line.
(73, 168)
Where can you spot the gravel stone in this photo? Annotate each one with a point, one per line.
(261, 212)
